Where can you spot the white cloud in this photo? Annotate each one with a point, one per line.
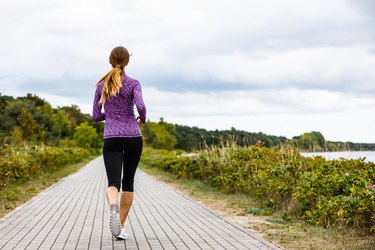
(334, 67)
(185, 37)
(272, 101)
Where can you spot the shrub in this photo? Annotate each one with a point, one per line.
(86, 136)
(18, 163)
(322, 192)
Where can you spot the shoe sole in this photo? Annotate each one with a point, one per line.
(114, 222)
(121, 238)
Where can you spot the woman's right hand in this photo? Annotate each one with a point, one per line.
(139, 122)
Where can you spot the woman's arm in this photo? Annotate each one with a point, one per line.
(138, 100)
(97, 114)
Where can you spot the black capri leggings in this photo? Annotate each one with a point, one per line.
(122, 153)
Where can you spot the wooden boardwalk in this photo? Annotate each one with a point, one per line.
(73, 214)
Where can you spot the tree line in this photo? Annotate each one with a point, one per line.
(31, 119)
(163, 135)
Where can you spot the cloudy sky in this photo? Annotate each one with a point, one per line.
(278, 67)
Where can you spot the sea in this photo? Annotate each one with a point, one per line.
(368, 155)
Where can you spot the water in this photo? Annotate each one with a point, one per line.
(369, 155)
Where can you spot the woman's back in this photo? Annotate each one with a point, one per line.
(119, 109)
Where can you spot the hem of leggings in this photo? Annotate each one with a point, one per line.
(118, 189)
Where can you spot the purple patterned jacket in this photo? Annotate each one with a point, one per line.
(119, 117)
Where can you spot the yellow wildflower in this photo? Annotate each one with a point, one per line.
(340, 212)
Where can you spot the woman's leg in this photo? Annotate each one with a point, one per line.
(113, 156)
(125, 204)
(112, 194)
(132, 155)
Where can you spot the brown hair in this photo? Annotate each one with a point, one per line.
(118, 58)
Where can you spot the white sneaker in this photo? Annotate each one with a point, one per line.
(123, 235)
(114, 222)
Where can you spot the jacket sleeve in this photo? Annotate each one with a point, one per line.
(97, 114)
(138, 100)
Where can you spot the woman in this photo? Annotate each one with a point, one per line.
(123, 144)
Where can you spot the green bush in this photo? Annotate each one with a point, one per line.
(18, 163)
(86, 136)
(159, 135)
(326, 193)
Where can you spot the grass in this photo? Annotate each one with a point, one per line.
(17, 193)
(280, 229)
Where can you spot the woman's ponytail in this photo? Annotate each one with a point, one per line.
(112, 81)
